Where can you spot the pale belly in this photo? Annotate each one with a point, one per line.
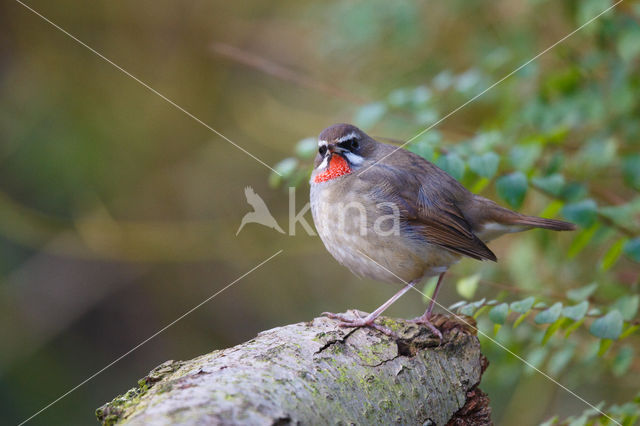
(385, 253)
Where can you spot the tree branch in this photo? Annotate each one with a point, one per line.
(317, 372)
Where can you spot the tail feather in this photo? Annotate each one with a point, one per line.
(539, 222)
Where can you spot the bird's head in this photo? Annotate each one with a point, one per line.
(342, 149)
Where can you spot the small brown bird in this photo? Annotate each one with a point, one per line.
(390, 215)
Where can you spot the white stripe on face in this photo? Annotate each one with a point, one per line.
(354, 159)
(323, 143)
(347, 137)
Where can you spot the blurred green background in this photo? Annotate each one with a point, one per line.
(118, 212)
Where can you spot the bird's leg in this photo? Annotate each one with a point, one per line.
(424, 319)
(368, 321)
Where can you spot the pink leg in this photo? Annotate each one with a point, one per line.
(435, 295)
(424, 319)
(368, 321)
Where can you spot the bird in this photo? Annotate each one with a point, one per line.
(390, 215)
(260, 213)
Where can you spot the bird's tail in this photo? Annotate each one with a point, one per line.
(540, 222)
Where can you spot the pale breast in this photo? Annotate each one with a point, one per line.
(362, 235)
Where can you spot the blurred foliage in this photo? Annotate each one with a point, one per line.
(557, 140)
(626, 414)
(118, 213)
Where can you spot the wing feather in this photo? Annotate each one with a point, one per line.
(429, 201)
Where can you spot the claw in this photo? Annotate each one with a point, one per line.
(424, 320)
(346, 321)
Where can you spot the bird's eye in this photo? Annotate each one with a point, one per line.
(354, 143)
(322, 150)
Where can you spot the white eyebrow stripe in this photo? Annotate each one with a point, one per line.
(354, 159)
(322, 143)
(347, 137)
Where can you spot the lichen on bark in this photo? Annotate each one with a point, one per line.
(318, 373)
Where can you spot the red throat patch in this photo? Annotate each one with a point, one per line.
(338, 166)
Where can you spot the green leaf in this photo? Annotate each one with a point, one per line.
(584, 212)
(369, 114)
(480, 311)
(523, 306)
(484, 141)
(399, 97)
(608, 326)
(457, 305)
(628, 306)
(498, 314)
(485, 165)
(512, 188)
(553, 184)
(550, 315)
(480, 185)
(631, 170)
(622, 361)
(521, 318)
(629, 331)
(423, 149)
(425, 145)
(632, 249)
(581, 240)
(426, 117)
(605, 344)
(576, 312)
(286, 167)
(622, 214)
(551, 330)
(552, 209)
(467, 310)
(574, 191)
(523, 157)
(597, 153)
(443, 80)
(307, 148)
(573, 327)
(467, 80)
(421, 96)
(613, 254)
(452, 164)
(496, 328)
(582, 293)
(479, 303)
(467, 286)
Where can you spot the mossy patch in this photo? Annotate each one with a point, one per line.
(112, 412)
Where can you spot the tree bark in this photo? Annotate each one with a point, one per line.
(318, 373)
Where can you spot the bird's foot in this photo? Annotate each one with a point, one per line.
(348, 321)
(425, 320)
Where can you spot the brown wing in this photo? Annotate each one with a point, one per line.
(429, 200)
(445, 226)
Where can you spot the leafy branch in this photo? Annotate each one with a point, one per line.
(626, 414)
(617, 322)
